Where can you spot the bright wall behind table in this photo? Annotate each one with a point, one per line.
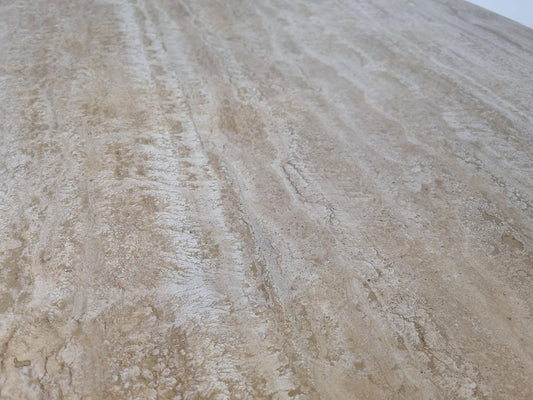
(518, 10)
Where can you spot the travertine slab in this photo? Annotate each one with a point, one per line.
(221, 199)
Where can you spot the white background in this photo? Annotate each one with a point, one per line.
(519, 10)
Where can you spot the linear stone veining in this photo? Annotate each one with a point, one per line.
(212, 199)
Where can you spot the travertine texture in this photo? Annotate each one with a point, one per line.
(219, 199)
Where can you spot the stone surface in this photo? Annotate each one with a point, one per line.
(265, 200)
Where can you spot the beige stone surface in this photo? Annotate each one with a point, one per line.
(220, 199)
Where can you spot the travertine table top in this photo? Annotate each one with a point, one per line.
(221, 199)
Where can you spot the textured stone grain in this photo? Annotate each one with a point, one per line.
(265, 200)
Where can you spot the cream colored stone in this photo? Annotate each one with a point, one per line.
(265, 200)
